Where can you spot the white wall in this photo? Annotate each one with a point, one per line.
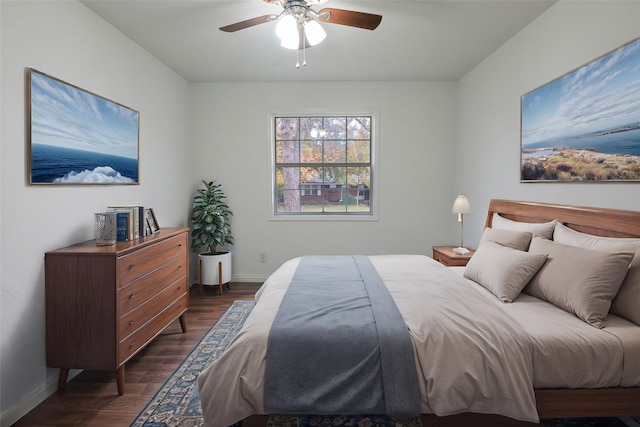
(416, 191)
(567, 36)
(68, 41)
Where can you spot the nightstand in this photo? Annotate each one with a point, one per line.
(446, 256)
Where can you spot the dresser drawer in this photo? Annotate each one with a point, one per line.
(132, 266)
(133, 320)
(128, 346)
(146, 287)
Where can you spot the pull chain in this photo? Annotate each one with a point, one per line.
(304, 48)
(304, 51)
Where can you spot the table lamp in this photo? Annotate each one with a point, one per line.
(461, 206)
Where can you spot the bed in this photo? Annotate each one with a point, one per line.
(551, 352)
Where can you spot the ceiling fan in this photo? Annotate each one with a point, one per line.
(298, 26)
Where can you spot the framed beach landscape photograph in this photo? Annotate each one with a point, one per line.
(77, 137)
(585, 125)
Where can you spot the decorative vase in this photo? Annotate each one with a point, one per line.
(106, 228)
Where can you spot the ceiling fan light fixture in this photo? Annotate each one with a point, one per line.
(314, 32)
(287, 31)
(291, 42)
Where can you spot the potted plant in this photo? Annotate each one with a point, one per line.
(211, 228)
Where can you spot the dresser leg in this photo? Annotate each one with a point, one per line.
(183, 324)
(120, 380)
(62, 380)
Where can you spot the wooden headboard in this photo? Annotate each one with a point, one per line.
(597, 221)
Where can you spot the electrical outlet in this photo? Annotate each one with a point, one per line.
(263, 257)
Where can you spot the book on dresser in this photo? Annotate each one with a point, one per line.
(106, 303)
(122, 226)
(136, 215)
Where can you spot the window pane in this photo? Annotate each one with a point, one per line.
(287, 152)
(288, 201)
(335, 151)
(312, 204)
(359, 128)
(335, 127)
(311, 128)
(311, 152)
(288, 189)
(359, 176)
(335, 176)
(286, 128)
(311, 176)
(359, 183)
(358, 151)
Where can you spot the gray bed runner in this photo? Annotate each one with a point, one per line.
(339, 345)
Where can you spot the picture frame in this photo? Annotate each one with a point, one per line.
(585, 125)
(77, 137)
(151, 221)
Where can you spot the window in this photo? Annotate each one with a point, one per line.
(322, 165)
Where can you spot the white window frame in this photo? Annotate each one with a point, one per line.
(273, 113)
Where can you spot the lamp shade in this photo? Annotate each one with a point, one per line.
(314, 32)
(287, 31)
(461, 205)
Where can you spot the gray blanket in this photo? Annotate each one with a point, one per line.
(338, 344)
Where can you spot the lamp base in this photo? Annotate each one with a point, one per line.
(461, 251)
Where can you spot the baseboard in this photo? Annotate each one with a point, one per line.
(247, 278)
(34, 399)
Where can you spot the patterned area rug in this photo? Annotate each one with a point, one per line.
(177, 403)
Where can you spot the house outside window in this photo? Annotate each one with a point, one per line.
(323, 165)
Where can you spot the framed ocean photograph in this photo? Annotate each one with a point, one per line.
(585, 125)
(78, 137)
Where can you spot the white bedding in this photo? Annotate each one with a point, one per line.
(458, 371)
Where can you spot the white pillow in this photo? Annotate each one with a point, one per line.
(514, 239)
(580, 281)
(544, 229)
(502, 270)
(627, 302)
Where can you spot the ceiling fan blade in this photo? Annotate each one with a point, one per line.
(248, 23)
(368, 21)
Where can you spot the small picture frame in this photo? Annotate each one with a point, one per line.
(151, 221)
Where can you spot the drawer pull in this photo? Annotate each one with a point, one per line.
(131, 266)
(132, 296)
(130, 345)
(131, 322)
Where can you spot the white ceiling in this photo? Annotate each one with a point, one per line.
(417, 40)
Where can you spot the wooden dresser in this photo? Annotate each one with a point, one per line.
(105, 303)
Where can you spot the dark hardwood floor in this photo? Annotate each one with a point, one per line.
(91, 398)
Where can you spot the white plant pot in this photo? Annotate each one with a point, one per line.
(210, 268)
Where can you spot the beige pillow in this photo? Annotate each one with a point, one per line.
(627, 303)
(502, 270)
(514, 239)
(580, 281)
(544, 229)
